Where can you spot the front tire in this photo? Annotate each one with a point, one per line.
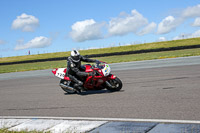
(115, 83)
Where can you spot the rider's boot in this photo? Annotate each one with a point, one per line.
(78, 86)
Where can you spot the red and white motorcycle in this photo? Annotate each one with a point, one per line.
(103, 79)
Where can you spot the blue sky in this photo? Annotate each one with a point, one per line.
(45, 26)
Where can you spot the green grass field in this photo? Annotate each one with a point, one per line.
(6, 131)
(174, 43)
(110, 59)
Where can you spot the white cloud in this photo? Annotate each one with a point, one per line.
(196, 22)
(193, 11)
(182, 36)
(25, 23)
(195, 34)
(132, 23)
(168, 24)
(37, 42)
(86, 30)
(2, 42)
(148, 29)
(127, 23)
(185, 36)
(161, 39)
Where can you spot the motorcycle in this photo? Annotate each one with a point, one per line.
(102, 79)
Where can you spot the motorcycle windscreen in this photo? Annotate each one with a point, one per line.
(106, 70)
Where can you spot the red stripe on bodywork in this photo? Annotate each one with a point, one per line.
(54, 71)
(66, 78)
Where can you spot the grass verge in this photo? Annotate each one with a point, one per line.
(155, 45)
(110, 59)
(7, 131)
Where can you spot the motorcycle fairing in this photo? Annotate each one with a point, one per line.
(59, 72)
(106, 70)
(88, 68)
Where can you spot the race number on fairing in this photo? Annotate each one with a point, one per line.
(60, 73)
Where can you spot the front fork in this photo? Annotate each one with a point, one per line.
(111, 77)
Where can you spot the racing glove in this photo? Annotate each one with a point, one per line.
(98, 62)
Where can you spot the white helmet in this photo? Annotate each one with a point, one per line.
(75, 56)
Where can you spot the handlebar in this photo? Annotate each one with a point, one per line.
(97, 64)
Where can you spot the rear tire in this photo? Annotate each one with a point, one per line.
(116, 83)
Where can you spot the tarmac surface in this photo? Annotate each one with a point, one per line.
(158, 89)
(171, 92)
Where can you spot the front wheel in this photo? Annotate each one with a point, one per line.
(114, 84)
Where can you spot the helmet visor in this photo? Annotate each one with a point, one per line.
(76, 58)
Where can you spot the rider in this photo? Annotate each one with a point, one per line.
(74, 68)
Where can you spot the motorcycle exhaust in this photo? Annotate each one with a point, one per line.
(67, 88)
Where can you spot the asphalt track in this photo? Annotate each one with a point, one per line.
(158, 89)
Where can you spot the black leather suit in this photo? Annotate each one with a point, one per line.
(74, 70)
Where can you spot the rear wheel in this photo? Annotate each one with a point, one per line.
(116, 84)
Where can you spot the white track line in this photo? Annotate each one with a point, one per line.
(104, 119)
